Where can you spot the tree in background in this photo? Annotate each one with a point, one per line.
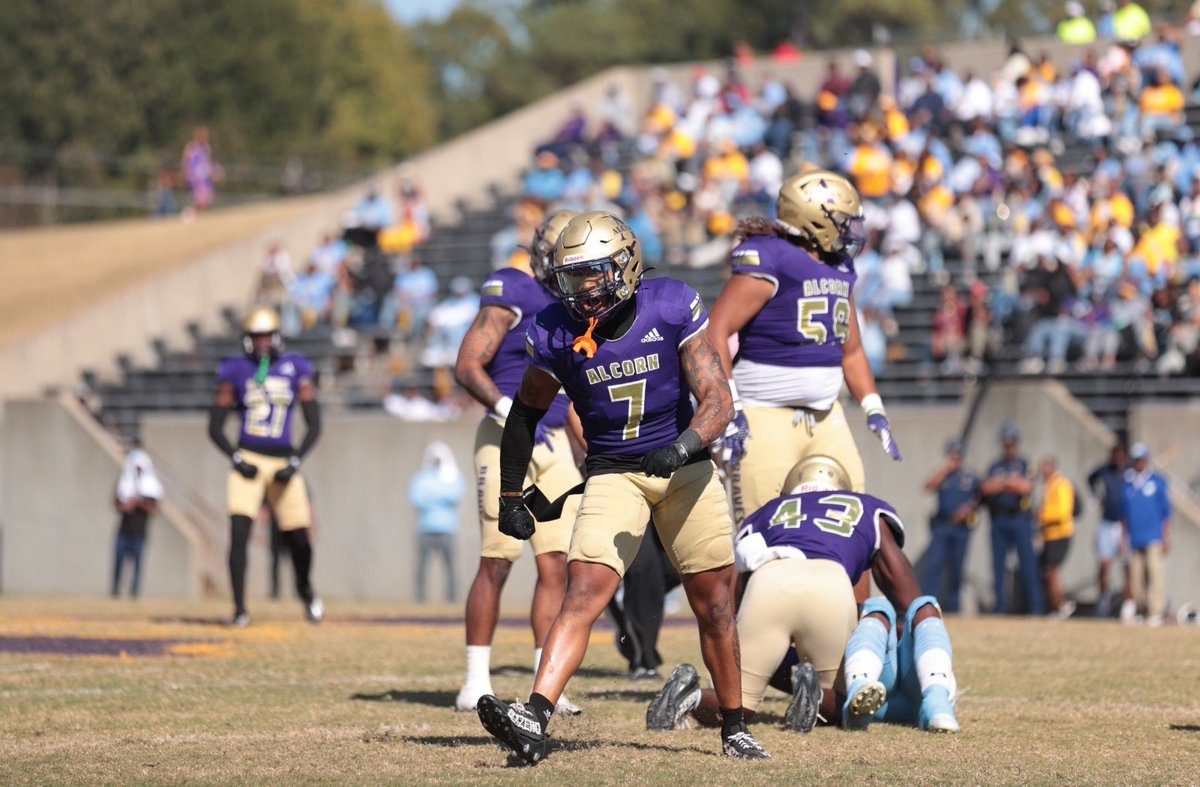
(121, 83)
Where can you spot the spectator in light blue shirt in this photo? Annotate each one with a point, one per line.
(435, 492)
(545, 181)
(374, 211)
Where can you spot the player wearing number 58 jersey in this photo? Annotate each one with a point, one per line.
(790, 304)
(265, 385)
(627, 352)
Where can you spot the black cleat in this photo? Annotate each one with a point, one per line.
(742, 746)
(515, 727)
(801, 714)
(679, 696)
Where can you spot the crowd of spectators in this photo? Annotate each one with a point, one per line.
(1066, 196)
(1056, 205)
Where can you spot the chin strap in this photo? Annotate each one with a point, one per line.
(586, 344)
(264, 366)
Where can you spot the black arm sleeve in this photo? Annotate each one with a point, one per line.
(312, 419)
(516, 445)
(216, 428)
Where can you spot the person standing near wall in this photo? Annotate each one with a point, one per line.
(1057, 519)
(957, 491)
(1107, 483)
(1148, 526)
(1006, 491)
(435, 491)
(138, 492)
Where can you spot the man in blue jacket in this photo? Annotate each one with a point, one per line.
(1148, 526)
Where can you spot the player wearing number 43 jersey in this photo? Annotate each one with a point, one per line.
(264, 385)
(797, 557)
(490, 364)
(627, 352)
(790, 304)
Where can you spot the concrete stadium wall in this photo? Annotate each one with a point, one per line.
(358, 475)
(57, 521)
(58, 479)
(1171, 429)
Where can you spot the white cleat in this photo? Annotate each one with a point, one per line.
(468, 697)
(564, 705)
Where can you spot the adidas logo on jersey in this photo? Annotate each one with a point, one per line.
(652, 336)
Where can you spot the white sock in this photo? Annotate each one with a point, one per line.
(934, 667)
(479, 670)
(865, 663)
(537, 660)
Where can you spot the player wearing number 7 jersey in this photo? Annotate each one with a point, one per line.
(790, 304)
(264, 384)
(627, 352)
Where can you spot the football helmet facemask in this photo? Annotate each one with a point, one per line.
(824, 209)
(262, 321)
(545, 236)
(597, 265)
(816, 474)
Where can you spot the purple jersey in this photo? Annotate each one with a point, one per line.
(838, 526)
(632, 396)
(266, 409)
(807, 320)
(524, 296)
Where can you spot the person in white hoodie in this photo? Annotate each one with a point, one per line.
(138, 492)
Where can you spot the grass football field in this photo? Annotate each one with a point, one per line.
(99, 692)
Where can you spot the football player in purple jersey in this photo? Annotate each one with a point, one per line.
(265, 384)
(490, 363)
(790, 304)
(798, 557)
(628, 352)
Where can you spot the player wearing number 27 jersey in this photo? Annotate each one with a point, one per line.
(265, 385)
(790, 303)
(627, 352)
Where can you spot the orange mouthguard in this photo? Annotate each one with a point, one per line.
(586, 344)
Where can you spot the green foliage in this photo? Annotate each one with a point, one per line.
(335, 81)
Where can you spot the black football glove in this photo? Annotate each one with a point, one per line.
(515, 519)
(662, 462)
(285, 475)
(243, 468)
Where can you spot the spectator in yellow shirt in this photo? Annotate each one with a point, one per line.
(871, 164)
(1057, 520)
(1161, 105)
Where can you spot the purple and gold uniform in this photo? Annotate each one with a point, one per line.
(552, 467)
(788, 368)
(265, 436)
(632, 396)
(803, 553)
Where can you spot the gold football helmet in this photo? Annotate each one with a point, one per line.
(816, 474)
(541, 258)
(262, 321)
(824, 209)
(597, 264)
